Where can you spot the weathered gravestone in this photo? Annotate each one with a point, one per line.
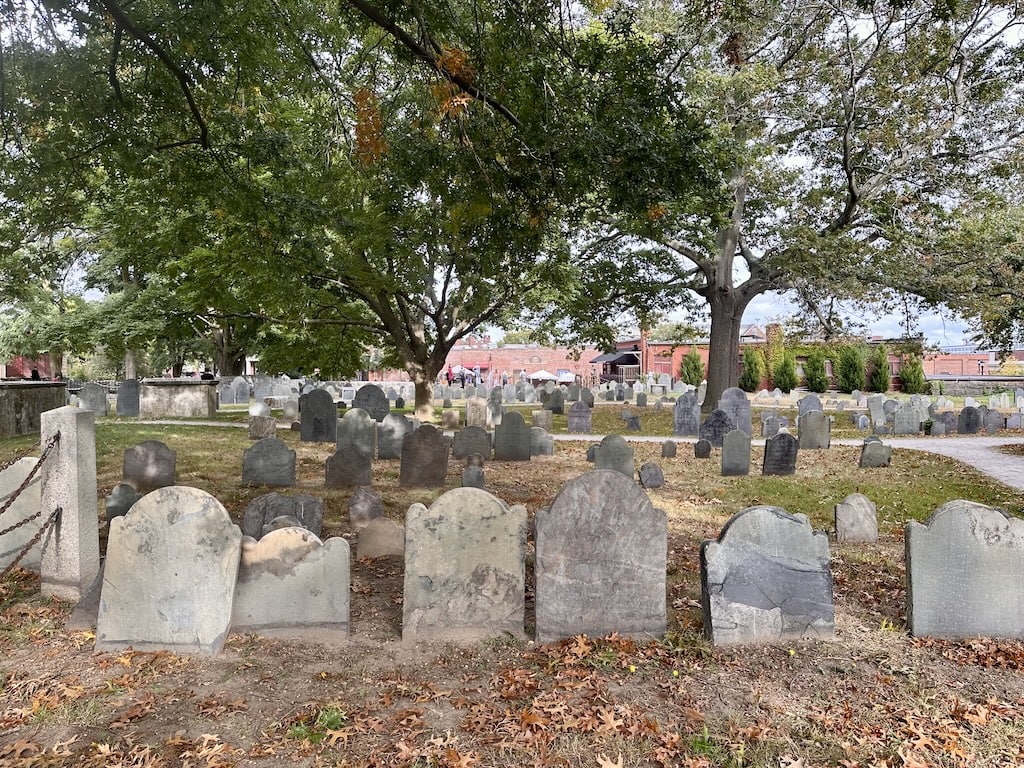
(308, 510)
(807, 403)
(476, 412)
(149, 465)
(465, 571)
(815, 431)
(450, 419)
(358, 430)
(268, 462)
(580, 418)
(614, 453)
(765, 579)
(24, 507)
(290, 584)
(906, 420)
(512, 439)
(994, 422)
(318, 417)
(470, 440)
(651, 475)
(541, 443)
(473, 477)
(259, 409)
(372, 399)
(715, 427)
(390, 433)
(587, 396)
(128, 392)
(702, 449)
(364, 506)
(348, 467)
(556, 403)
(876, 409)
(965, 567)
(495, 410)
(120, 500)
(686, 415)
(770, 426)
(736, 453)
(290, 412)
(93, 398)
(573, 393)
(170, 574)
(382, 537)
(856, 519)
(668, 449)
(261, 427)
(736, 404)
(544, 419)
(424, 458)
(641, 400)
(600, 560)
(874, 454)
(780, 454)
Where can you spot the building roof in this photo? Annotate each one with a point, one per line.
(619, 357)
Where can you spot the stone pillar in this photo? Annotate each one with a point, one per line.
(71, 547)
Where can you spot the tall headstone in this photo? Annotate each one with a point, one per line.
(780, 454)
(715, 427)
(308, 510)
(512, 439)
(93, 398)
(149, 465)
(686, 415)
(556, 403)
(424, 458)
(470, 440)
(268, 462)
(876, 408)
(736, 453)
(318, 417)
(587, 396)
(815, 430)
(127, 403)
(856, 520)
(614, 453)
(476, 412)
(358, 430)
(736, 404)
(580, 418)
(373, 400)
(390, 433)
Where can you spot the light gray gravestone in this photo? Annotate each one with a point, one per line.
(715, 427)
(170, 574)
(120, 500)
(875, 454)
(965, 567)
(614, 453)
(541, 443)
(358, 430)
(600, 560)
(580, 418)
(473, 477)
(906, 420)
(508, 393)
(476, 412)
(863, 422)
(240, 390)
(261, 427)
(308, 510)
(736, 404)
(877, 410)
(686, 415)
(543, 419)
(290, 584)
(382, 537)
(668, 449)
(736, 453)
(27, 505)
(93, 398)
(424, 458)
(702, 449)
(268, 462)
(856, 520)
(809, 402)
(780, 454)
(390, 433)
(348, 467)
(512, 439)
(318, 417)
(495, 412)
(149, 465)
(651, 475)
(556, 403)
(465, 571)
(372, 399)
(529, 393)
(815, 430)
(225, 394)
(765, 579)
(470, 440)
(127, 403)
(364, 506)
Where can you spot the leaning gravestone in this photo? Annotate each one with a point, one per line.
(424, 458)
(290, 584)
(580, 418)
(780, 454)
(149, 465)
(93, 398)
(372, 399)
(601, 551)
(686, 415)
(348, 467)
(541, 443)
(128, 393)
(856, 520)
(23, 507)
(716, 426)
(875, 454)
(651, 475)
(120, 500)
(465, 571)
(170, 573)
(268, 462)
(364, 506)
(512, 439)
(815, 431)
(736, 404)
(308, 510)
(765, 579)
(965, 567)
(358, 430)
(736, 454)
(470, 440)
(969, 421)
(613, 452)
(390, 433)
(318, 417)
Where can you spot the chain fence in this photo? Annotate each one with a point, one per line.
(9, 500)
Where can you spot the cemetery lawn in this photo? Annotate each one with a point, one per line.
(871, 697)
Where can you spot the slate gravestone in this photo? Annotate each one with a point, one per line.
(736, 404)
(450, 419)
(473, 477)
(906, 420)
(127, 403)
(765, 579)
(573, 394)
(965, 566)
(580, 418)
(815, 431)
(225, 394)
(261, 427)
(364, 506)
(780, 455)
(390, 433)
(290, 584)
(651, 475)
(424, 458)
(93, 398)
(268, 462)
(120, 500)
(715, 427)
(686, 415)
(876, 410)
(149, 465)
(372, 399)
(348, 467)
(512, 439)
(601, 551)
(556, 403)
(889, 409)
(874, 454)
(770, 427)
(641, 400)
(284, 521)
(476, 412)
(969, 421)
(308, 510)
(736, 453)
(358, 430)
(470, 440)
(810, 402)
(465, 568)
(856, 520)
(318, 417)
(541, 443)
(994, 422)
(543, 419)
(702, 449)
(614, 453)
(668, 449)
(587, 396)
(591, 452)
(938, 428)
(169, 576)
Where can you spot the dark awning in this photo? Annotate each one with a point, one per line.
(618, 357)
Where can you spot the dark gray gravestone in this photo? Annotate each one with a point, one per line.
(651, 476)
(580, 418)
(815, 430)
(128, 398)
(225, 394)
(541, 443)
(587, 396)
(471, 440)
(770, 427)
(702, 449)
(736, 453)
(856, 519)
(874, 454)
(686, 415)
(282, 521)
(424, 458)
(363, 507)
(348, 467)
(573, 393)
(93, 398)
(994, 422)
(495, 411)
(765, 579)
(965, 567)
(308, 510)
(149, 465)
(616, 454)
(390, 433)
(268, 462)
(736, 404)
(780, 455)
(473, 477)
(120, 500)
(512, 439)
(715, 427)
(592, 452)
(641, 400)
(318, 417)
(465, 568)
(601, 552)
(556, 403)
(668, 449)
(358, 430)
(372, 399)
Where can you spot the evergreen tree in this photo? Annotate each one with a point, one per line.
(880, 372)
(912, 375)
(753, 370)
(785, 375)
(850, 370)
(814, 372)
(691, 369)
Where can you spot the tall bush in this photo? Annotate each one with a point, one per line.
(814, 372)
(753, 370)
(850, 369)
(691, 368)
(912, 375)
(785, 374)
(880, 373)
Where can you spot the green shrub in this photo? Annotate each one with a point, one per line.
(850, 369)
(785, 374)
(912, 375)
(814, 372)
(753, 370)
(880, 372)
(691, 369)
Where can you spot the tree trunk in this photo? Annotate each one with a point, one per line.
(727, 306)
(424, 397)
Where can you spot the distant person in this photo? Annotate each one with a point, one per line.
(449, 376)
(504, 378)
(35, 375)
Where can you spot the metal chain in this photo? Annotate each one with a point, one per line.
(26, 521)
(16, 459)
(13, 496)
(54, 516)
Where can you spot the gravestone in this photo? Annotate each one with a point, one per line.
(633, 424)
(766, 579)
(591, 452)
(424, 458)
(938, 428)
(863, 422)
(120, 500)
(815, 430)
(736, 453)
(26, 506)
(476, 412)
(284, 521)
(364, 506)
(614, 453)
(994, 422)
(668, 449)
(450, 419)
(473, 477)
(686, 415)
(770, 427)
(318, 417)
(965, 566)
(641, 400)
(128, 393)
(470, 440)
(969, 421)
(149, 465)
(261, 427)
(308, 510)
(170, 573)
(601, 551)
(780, 454)
(876, 410)
(268, 462)
(874, 454)
(390, 433)
(382, 537)
(543, 419)
(358, 430)
(809, 402)
(702, 449)
(580, 418)
(556, 403)
(290, 584)
(715, 426)
(702, 391)
(93, 398)
(465, 568)
(651, 475)
(225, 392)
(587, 396)
(512, 439)
(856, 520)
(475, 460)
(541, 443)
(906, 420)
(290, 412)
(372, 399)
(573, 394)
(508, 393)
